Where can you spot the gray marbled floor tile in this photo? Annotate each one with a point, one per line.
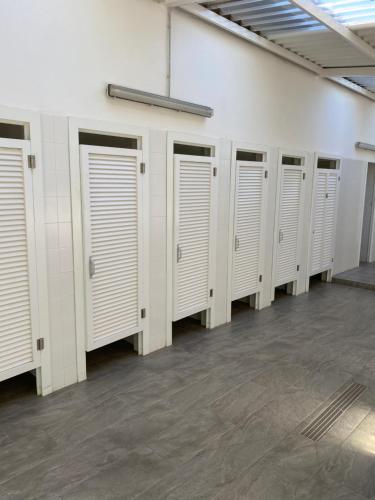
(203, 477)
(354, 465)
(124, 480)
(237, 404)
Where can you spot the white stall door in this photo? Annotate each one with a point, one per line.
(194, 241)
(112, 216)
(290, 224)
(249, 227)
(18, 286)
(324, 221)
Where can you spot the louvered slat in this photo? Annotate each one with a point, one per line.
(289, 224)
(193, 233)
(112, 224)
(16, 337)
(248, 229)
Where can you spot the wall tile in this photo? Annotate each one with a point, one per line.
(64, 209)
(52, 236)
(50, 205)
(63, 182)
(66, 260)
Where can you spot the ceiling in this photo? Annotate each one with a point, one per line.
(333, 38)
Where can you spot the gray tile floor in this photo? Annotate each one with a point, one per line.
(216, 416)
(362, 276)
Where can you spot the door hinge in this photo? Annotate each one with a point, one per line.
(332, 259)
(31, 161)
(303, 176)
(40, 344)
(143, 313)
(298, 267)
(266, 174)
(211, 292)
(215, 171)
(143, 167)
(260, 278)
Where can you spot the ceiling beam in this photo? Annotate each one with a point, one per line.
(336, 27)
(350, 71)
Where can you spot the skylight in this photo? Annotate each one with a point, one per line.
(350, 12)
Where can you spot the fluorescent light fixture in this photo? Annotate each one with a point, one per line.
(120, 92)
(365, 145)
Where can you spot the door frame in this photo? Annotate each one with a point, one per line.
(77, 125)
(195, 140)
(248, 147)
(32, 122)
(298, 285)
(328, 156)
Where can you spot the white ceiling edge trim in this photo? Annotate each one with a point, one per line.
(227, 25)
(349, 71)
(336, 27)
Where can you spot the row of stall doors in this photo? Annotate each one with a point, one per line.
(113, 208)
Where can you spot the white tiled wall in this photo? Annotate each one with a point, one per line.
(59, 249)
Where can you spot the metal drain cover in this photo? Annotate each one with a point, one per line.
(342, 401)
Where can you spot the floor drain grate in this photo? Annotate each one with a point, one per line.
(341, 402)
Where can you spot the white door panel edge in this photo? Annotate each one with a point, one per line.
(194, 234)
(113, 246)
(19, 307)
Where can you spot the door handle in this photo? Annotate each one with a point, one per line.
(236, 243)
(179, 253)
(92, 267)
(281, 235)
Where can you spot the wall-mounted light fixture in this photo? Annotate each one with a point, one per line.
(128, 94)
(365, 145)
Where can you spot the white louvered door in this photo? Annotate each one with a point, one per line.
(113, 246)
(249, 226)
(18, 287)
(324, 221)
(330, 221)
(193, 234)
(289, 227)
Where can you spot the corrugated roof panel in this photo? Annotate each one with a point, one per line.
(285, 24)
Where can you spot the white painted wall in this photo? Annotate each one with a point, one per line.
(350, 215)
(59, 57)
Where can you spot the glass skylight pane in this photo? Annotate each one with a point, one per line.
(349, 12)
